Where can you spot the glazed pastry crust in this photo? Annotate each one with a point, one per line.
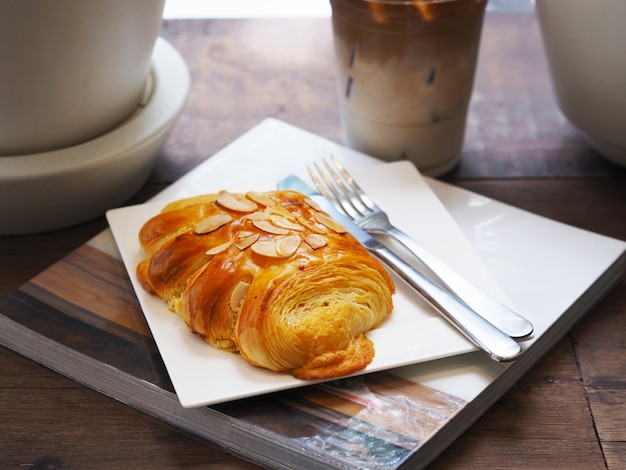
(268, 275)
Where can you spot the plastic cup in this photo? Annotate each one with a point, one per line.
(405, 74)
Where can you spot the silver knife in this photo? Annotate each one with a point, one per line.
(498, 345)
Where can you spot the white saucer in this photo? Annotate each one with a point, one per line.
(53, 190)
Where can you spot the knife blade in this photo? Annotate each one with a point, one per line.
(498, 345)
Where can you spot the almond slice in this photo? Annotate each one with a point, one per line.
(245, 242)
(219, 248)
(261, 198)
(265, 248)
(236, 202)
(238, 295)
(212, 222)
(312, 204)
(287, 246)
(243, 234)
(258, 215)
(280, 210)
(269, 227)
(329, 222)
(315, 240)
(285, 223)
(312, 226)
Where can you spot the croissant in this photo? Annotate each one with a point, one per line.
(268, 275)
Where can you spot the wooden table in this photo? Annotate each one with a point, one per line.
(568, 412)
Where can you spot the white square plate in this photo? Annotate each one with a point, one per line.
(413, 333)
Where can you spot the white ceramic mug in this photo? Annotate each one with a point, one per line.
(71, 70)
(585, 43)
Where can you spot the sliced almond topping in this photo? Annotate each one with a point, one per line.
(259, 215)
(285, 223)
(265, 248)
(312, 226)
(212, 222)
(280, 210)
(287, 246)
(236, 202)
(244, 234)
(238, 295)
(269, 227)
(311, 203)
(219, 248)
(243, 243)
(315, 240)
(261, 198)
(329, 222)
(282, 247)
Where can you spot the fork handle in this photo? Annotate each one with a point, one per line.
(479, 331)
(495, 312)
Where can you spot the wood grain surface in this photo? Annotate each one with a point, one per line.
(568, 412)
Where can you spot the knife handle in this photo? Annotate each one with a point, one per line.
(496, 313)
(498, 345)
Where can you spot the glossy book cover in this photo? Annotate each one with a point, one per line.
(81, 317)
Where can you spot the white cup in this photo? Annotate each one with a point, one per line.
(585, 44)
(71, 70)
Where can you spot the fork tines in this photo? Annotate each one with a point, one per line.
(338, 186)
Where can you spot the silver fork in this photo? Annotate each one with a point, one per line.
(339, 187)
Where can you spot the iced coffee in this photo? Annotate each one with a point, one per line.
(405, 76)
